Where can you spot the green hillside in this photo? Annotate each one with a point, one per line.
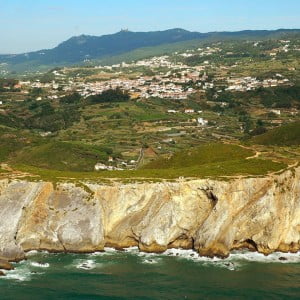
(286, 135)
(211, 160)
(125, 45)
(12, 140)
(63, 156)
(207, 154)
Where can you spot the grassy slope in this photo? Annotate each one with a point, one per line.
(199, 156)
(12, 140)
(212, 160)
(286, 135)
(62, 156)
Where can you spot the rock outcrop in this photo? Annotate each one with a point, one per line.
(5, 265)
(213, 217)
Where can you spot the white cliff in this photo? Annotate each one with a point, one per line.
(210, 216)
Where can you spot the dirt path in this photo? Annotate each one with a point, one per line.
(257, 154)
(12, 173)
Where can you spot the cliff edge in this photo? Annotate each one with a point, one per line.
(213, 217)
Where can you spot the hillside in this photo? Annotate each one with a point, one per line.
(63, 156)
(84, 48)
(286, 135)
(57, 160)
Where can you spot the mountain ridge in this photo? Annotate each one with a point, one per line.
(78, 49)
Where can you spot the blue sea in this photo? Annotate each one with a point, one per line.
(175, 274)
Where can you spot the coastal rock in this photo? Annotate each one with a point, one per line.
(64, 219)
(14, 197)
(5, 265)
(213, 217)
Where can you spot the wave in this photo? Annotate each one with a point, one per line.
(39, 265)
(276, 257)
(35, 252)
(237, 259)
(86, 264)
(151, 261)
(22, 272)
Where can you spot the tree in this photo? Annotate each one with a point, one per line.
(111, 95)
(70, 99)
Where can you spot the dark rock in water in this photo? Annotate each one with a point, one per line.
(1, 274)
(282, 258)
(229, 264)
(5, 265)
(120, 249)
(177, 254)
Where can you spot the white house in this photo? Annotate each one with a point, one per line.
(189, 111)
(100, 167)
(202, 122)
(276, 111)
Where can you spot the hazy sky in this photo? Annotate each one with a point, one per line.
(27, 25)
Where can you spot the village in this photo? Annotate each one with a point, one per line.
(174, 76)
(179, 85)
(177, 100)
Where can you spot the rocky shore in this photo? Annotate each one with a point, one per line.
(210, 216)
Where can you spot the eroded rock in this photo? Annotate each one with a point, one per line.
(5, 265)
(210, 216)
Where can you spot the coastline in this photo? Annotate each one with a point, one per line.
(211, 217)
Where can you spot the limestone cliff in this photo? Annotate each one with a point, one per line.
(211, 216)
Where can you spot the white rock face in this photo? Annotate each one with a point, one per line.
(210, 216)
(14, 198)
(64, 219)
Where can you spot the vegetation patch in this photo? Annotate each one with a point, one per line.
(206, 154)
(286, 135)
(64, 156)
(213, 160)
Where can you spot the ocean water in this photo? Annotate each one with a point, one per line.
(175, 274)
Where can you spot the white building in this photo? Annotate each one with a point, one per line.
(100, 167)
(202, 122)
(189, 111)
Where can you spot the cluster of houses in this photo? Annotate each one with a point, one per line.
(200, 120)
(145, 87)
(165, 61)
(172, 79)
(117, 165)
(168, 85)
(251, 83)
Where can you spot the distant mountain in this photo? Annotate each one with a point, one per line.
(84, 47)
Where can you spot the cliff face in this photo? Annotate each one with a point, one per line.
(213, 217)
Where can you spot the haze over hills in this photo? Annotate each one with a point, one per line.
(81, 48)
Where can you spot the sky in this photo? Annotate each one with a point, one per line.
(27, 25)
